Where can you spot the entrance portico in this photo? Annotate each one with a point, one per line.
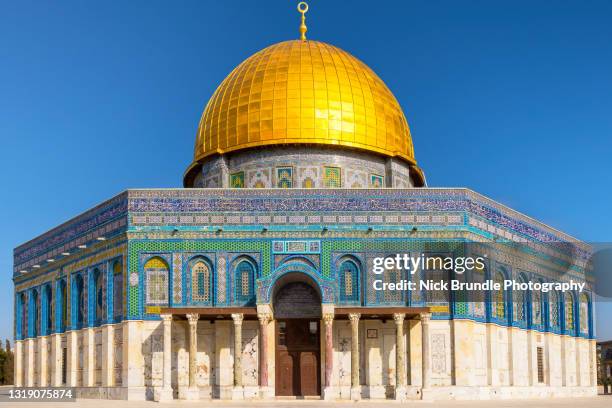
(306, 354)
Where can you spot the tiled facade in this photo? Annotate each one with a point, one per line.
(228, 247)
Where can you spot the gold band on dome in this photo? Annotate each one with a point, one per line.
(303, 92)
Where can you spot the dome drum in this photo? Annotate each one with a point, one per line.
(304, 166)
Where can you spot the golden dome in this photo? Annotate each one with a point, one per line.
(303, 92)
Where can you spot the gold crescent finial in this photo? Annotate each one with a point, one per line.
(302, 7)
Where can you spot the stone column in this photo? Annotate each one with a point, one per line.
(165, 392)
(238, 392)
(400, 357)
(29, 368)
(223, 359)
(89, 367)
(71, 358)
(192, 392)
(355, 387)
(264, 319)
(108, 355)
(18, 368)
(56, 360)
(132, 376)
(42, 361)
(328, 320)
(425, 317)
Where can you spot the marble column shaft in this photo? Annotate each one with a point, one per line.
(29, 360)
(328, 320)
(354, 318)
(18, 368)
(108, 357)
(42, 361)
(264, 319)
(167, 361)
(192, 318)
(400, 350)
(71, 358)
(89, 364)
(56, 360)
(425, 317)
(237, 318)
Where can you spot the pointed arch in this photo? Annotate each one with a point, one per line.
(97, 301)
(23, 310)
(537, 307)
(244, 281)
(47, 323)
(349, 278)
(519, 303)
(584, 314)
(554, 308)
(62, 306)
(156, 281)
(117, 299)
(201, 273)
(477, 303)
(34, 313)
(568, 312)
(78, 310)
(499, 310)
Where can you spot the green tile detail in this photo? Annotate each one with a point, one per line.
(136, 247)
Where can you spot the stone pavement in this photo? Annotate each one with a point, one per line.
(595, 402)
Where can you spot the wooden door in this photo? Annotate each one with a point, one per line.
(297, 357)
(309, 373)
(284, 374)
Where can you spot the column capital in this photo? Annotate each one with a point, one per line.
(192, 318)
(328, 318)
(354, 317)
(166, 317)
(237, 318)
(264, 318)
(425, 317)
(399, 317)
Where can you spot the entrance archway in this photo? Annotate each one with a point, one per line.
(297, 310)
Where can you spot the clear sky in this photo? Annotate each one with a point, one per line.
(510, 98)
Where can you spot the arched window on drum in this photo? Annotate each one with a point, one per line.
(498, 299)
(349, 281)
(244, 283)
(569, 312)
(201, 282)
(156, 275)
(584, 314)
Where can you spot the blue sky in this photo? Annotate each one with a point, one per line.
(510, 98)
